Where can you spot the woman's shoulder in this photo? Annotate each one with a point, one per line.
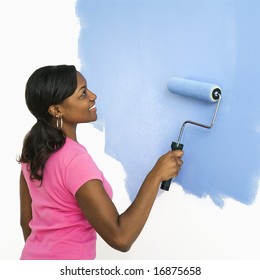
(70, 150)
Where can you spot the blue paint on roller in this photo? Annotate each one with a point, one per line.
(195, 89)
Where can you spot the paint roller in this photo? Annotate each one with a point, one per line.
(195, 89)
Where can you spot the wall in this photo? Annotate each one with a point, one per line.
(131, 48)
(128, 50)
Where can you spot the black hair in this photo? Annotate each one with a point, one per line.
(48, 85)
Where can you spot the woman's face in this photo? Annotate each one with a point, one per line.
(80, 106)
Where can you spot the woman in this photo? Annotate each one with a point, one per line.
(64, 197)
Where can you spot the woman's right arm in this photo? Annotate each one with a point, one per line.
(25, 207)
(120, 231)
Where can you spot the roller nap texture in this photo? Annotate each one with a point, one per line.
(200, 90)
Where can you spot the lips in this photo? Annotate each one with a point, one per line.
(92, 107)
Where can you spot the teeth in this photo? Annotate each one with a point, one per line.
(93, 107)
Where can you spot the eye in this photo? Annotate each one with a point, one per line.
(84, 94)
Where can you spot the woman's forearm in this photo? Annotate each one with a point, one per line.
(132, 221)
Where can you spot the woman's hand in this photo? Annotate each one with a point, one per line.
(168, 166)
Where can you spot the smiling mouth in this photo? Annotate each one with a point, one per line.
(93, 107)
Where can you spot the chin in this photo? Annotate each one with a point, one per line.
(91, 120)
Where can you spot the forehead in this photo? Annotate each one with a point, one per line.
(80, 80)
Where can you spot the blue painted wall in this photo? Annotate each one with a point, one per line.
(129, 49)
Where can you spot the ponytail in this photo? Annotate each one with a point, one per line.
(40, 142)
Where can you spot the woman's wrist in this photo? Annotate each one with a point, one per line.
(153, 177)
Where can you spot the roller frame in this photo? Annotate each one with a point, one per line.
(200, 124)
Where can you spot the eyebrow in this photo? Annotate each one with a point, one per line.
(82, 88)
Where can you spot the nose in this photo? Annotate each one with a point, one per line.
(92, 95)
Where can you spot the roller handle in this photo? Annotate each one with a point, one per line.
(166, 184)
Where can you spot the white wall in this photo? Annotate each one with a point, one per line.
(36, 33)
(33, 34)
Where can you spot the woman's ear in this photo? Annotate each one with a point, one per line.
(55, 111)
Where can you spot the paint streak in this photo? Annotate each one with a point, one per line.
(129, 50)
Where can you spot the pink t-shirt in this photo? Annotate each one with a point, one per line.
(59, 228)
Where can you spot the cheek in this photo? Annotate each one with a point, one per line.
(81, 113)
(78, 112)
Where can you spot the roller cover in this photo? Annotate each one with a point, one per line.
(195, 89)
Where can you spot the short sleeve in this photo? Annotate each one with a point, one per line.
(80, 170)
